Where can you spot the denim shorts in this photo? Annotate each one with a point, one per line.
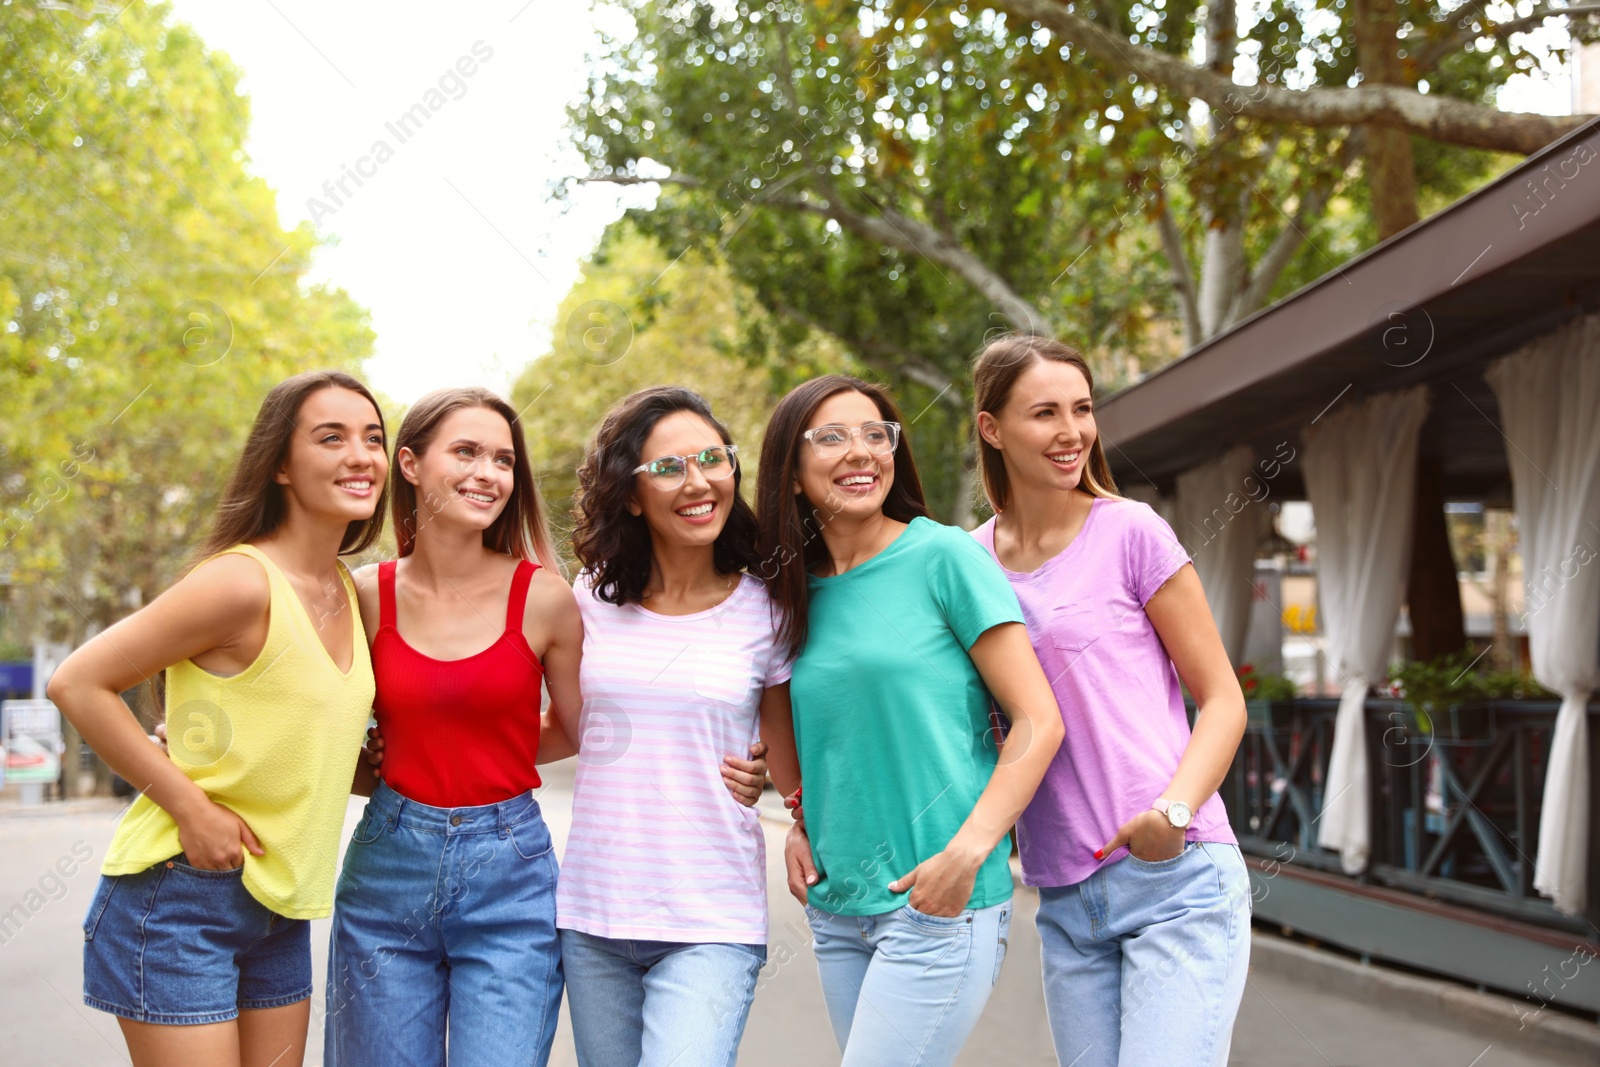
(179, 946)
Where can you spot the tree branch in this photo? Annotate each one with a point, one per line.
(890, 357)
(1430, 54)
(1182, 277)
(896, 230)
(1293, 234)
(1437, 118)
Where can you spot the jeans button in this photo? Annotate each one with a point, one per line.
(455, 820)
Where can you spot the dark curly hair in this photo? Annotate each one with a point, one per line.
(613, 545)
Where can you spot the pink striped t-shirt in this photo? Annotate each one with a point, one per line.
(659, 850)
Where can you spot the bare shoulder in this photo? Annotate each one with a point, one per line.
(549, 593)
(228, 586)
(366, 582)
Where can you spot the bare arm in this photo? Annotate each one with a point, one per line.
(1182, 620)
(216, 615)
(552, 612)
(1004, 657)
(369, 766)
(777, 731)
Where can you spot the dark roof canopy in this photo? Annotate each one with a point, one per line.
(1433, 304)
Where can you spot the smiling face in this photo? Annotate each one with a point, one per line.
(1046, 428)
(694, 513)
(464, 474)
(336, 463)
(855, 484)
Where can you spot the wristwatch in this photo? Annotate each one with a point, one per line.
(1176, 811)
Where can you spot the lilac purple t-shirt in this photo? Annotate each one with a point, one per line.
(1126, 727)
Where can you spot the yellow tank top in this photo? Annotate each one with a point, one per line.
(276, 744)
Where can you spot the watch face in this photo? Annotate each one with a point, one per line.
(1179, 815)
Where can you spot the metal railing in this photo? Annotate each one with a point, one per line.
(1455, 800)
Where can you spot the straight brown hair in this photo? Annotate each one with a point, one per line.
(252, 505)
(522, 530)
(791, 528)
(995, 371)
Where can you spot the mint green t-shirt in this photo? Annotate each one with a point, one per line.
(892, 719)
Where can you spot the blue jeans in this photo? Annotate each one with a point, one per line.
(179, 946)
(904, 988)
(444, 916)
(654, 1003)
(1144, 963)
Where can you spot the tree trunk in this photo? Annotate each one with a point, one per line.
(1391, 177)
(1433, 590)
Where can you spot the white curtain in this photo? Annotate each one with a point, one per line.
(1146, 493)
(1361, 471)
(1549, 393)
(1220, 524)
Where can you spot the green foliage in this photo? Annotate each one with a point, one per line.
(637, 319)
(1435, 685)
(148, 299)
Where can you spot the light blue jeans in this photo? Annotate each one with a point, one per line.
(444, 920)
(1144, 963)
(655, 1003)
(904, 988)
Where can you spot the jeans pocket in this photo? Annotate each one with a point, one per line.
(180, 863)
(97, 906)
(1160, 865)
(1005, 942)
(531, 839)
(941, 924)
(372, 824)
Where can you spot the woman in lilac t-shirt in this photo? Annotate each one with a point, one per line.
(1144, 903)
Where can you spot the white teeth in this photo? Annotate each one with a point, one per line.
(484, 497)
(1065, 457)
(357, 485)
(696, 510)
(857, 479)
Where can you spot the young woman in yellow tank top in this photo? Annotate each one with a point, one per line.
(198, 937)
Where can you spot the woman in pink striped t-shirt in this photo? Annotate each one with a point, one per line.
(662, 899)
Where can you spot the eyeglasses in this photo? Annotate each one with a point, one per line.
(670, 472)
(833, 441)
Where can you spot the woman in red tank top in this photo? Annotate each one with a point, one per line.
(444, 921)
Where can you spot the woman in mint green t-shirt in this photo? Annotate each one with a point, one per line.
(906, 634)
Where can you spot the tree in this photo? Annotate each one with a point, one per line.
(148, 300)
(636, 319)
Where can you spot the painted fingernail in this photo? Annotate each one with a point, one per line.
(1099, 853)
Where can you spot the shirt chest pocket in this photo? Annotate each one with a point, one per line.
(724, 674)
(1074, 627)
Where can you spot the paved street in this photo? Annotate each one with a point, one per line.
(1283, 1024)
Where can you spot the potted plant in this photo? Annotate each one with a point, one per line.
(1266, 696)
(1443, 694)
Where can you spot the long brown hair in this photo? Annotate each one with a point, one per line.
(521, 530)
(253, 504)
(791, 541)
(995, 371)
(611, 543)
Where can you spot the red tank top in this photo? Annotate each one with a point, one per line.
(460, 732)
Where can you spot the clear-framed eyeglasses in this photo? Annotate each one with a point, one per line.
(670, 472)
(833, 440)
